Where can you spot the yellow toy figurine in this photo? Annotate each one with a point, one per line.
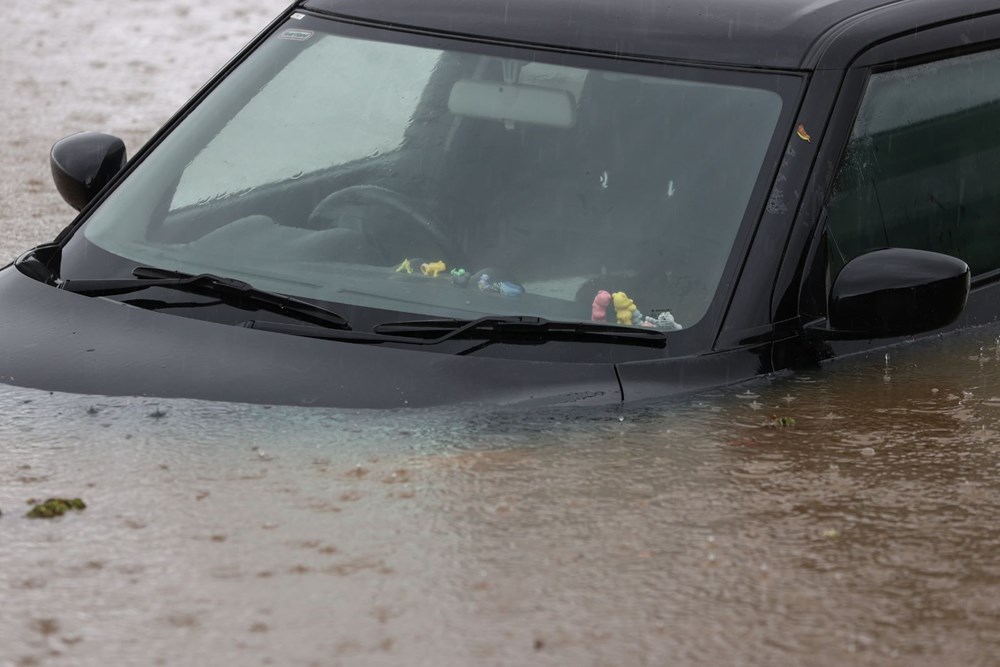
(624, 307)
(432, 269)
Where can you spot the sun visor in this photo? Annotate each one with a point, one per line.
(515, 103)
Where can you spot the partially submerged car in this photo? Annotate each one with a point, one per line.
(404, 203)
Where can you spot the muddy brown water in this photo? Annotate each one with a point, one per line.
(693, 531)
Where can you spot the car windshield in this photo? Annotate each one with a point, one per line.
(446, 179)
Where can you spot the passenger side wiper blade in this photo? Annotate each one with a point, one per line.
(227, 290)
(520, 329)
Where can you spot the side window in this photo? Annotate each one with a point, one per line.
(922, 169)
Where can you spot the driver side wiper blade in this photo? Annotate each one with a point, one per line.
(520, 329)
(228, 290)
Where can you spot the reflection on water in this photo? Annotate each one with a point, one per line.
(703, 530)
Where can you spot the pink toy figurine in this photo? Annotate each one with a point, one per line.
(599, 310)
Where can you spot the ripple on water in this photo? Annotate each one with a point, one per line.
(696, 530)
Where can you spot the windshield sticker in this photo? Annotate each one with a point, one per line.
(296, 35)
(802, 134)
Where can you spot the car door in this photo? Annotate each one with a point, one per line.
(915, 140)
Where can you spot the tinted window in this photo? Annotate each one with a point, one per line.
(921, 169)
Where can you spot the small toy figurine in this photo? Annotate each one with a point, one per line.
(432, 269)
(405, 267)
(509, 289)
(666, 321)
(599, 309)
(505, 288)
(624, 307)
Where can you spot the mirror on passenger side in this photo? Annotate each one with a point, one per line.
(896, 292)
(82, 164)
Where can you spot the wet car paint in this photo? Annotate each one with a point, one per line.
(740, 350)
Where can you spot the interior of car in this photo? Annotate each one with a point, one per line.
(561, 181)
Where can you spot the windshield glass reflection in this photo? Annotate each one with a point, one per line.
(452, 183)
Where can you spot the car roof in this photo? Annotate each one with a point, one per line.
(781, 34)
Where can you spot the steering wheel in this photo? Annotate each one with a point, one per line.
(325, 215)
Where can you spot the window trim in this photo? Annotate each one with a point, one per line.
(917, 48)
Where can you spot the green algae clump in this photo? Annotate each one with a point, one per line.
(54, 507)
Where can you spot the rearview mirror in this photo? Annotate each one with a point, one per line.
(897, 292)
(511, 102)
(82, 164)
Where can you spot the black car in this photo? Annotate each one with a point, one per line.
(406, 203)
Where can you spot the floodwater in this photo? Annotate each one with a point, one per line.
(708, 529)
(695, 531)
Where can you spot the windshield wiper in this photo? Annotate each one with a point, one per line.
(519, 329)
(516, 330)
(228, 290)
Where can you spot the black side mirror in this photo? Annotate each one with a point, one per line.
(84, 163)
(896, 292)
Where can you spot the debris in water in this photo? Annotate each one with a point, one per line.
(831, 533)
(54, 507)
(358, 472)
(781, 422)
(868, 451)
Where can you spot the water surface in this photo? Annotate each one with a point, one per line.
(697, 530)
